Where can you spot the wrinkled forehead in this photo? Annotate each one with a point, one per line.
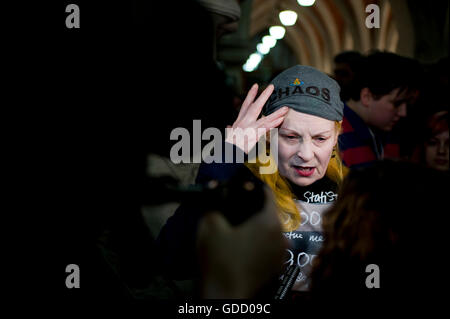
(306, 123)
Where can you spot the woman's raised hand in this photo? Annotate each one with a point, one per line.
(248, 129)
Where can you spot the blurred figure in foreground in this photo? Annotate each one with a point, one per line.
(240, 261)
(389, 215)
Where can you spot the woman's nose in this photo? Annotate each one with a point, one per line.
(305, 152)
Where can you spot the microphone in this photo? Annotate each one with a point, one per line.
(288, 281)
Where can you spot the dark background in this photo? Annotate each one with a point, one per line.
(85, 105)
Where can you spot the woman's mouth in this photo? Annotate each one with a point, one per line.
(304, 170)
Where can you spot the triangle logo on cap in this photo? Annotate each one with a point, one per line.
(297, 82)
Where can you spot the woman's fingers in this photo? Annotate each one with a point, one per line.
(274, 119)
(265, 95)
(246, 137)
(255, 109)
(280, 112)
(272, 124)
(248, 117)
(267, 125)
(248, 100)
(257, 106)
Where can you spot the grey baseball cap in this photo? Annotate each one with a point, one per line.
(306, 90)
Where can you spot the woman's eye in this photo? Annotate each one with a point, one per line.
(321, 139)
(432, 142)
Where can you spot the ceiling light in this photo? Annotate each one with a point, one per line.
(254, 59)
(306, 3)
(246, 68)
(277, 32)
(269, 41)
(263, 48)
(288, 17)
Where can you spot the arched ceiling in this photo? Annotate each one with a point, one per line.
(332, 26)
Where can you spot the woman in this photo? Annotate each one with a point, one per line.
(305, 104)
(433, 149)
(309, 168)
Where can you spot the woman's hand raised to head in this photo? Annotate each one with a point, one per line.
(248, 129)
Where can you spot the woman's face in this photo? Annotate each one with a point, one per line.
(436, 151)
(305, 145)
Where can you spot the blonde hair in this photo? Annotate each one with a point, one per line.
(287, 209)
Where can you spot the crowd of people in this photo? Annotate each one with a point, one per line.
(361, 172)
